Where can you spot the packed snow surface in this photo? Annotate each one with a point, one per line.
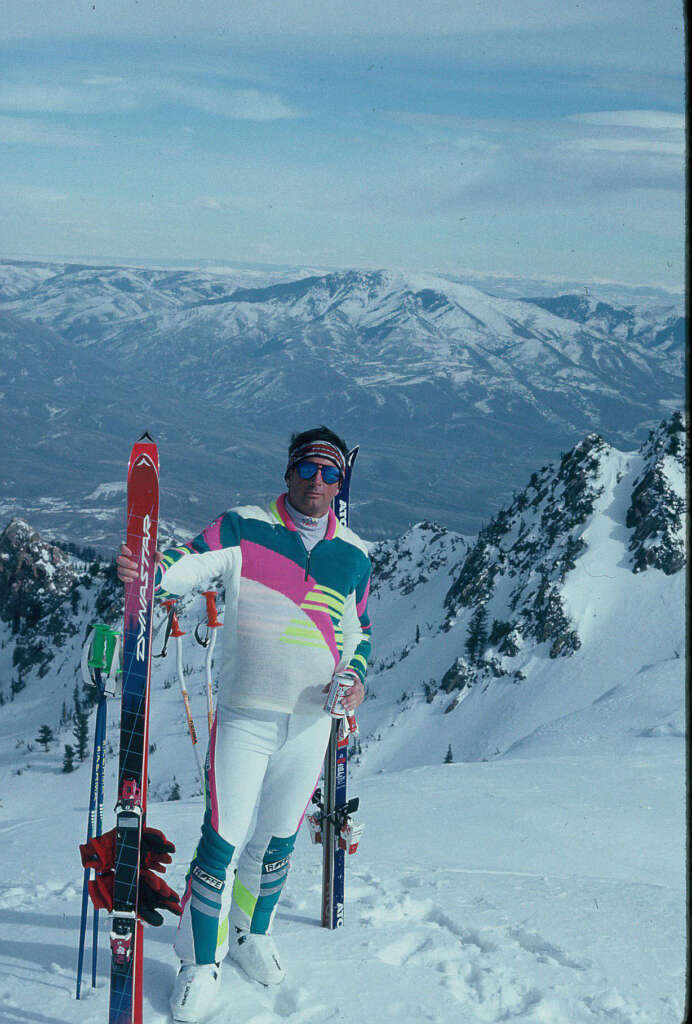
(538, 888)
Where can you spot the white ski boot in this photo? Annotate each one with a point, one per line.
(195, 991)
(258, 957)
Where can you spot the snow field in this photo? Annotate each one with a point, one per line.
(534, 889)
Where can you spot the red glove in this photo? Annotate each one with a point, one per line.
(99, 852)
(155, 893)
(152, 892)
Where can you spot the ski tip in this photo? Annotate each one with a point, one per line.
(146, 436)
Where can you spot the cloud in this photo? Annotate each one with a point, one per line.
(102, 94)
(238, 104)
(235, 204)
(611, 144)
(454, 167)
(32, 196)
(635, 147)
(36, 132)
(648, 120)
(87, 97)
(104, 80)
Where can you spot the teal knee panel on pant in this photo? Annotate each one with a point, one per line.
(207, 878)
(214, 854)
(275, 866)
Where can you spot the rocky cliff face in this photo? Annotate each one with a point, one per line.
(34, 575)
(658, 505)
(507, 597)
(525, 552)
(41, 587)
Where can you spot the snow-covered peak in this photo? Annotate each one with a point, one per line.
(412, 559)
(535, 619)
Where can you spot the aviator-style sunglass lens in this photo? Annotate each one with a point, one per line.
(330, 474)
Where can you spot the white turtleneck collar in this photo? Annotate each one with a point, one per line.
(311, 530)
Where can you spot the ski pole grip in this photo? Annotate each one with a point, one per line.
(212, 614)
(99, 642)
(169, 605)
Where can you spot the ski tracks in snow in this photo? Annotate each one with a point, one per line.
(416, 946)
(495, 972)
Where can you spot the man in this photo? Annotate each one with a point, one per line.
(296, 585)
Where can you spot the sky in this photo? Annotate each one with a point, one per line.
(527, 138)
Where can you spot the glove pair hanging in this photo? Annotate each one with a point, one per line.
(153, 893)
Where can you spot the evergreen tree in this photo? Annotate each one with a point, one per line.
(449, 757)
(89, 696)
(68, 759)
(477, 638)
(45, 736)
(175, 790)
(80, 730)
(16, 686)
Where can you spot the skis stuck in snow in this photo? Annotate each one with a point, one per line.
(331, 823)
(126, 929)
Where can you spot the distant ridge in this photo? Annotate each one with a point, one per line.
(453, 393)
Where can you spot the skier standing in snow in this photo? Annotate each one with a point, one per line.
(296, 585)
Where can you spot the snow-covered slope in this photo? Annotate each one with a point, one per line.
(537, 878)
(573, 593)
(452, 388)
(545, 890)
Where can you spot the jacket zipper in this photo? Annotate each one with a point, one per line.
(308, 554)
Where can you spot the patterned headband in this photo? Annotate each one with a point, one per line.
(321, 448)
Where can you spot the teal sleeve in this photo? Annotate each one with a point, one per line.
(359, 661)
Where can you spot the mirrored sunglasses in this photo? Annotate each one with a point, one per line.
(307, 470)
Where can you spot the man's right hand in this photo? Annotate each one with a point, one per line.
(127, 567)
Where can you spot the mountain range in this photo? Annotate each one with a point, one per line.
(454, 394)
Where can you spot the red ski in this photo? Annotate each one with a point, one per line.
(126, 932)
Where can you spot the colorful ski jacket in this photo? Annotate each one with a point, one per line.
(292, 617)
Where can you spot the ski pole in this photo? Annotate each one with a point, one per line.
(335, 772)
(213, 624)
(173, 629)
(100, 655)
(91, 821)
(100, 744)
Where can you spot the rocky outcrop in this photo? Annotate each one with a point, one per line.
(413, 558)
(34, 575)
(40, 586)
(531, 546)
(657, 509)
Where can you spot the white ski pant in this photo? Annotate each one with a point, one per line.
(262, 768)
